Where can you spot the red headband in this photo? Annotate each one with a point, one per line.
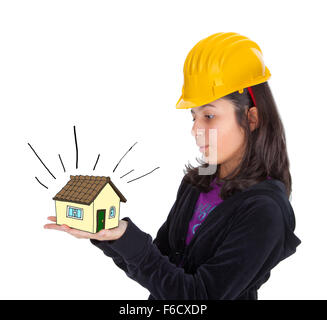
(252, 96)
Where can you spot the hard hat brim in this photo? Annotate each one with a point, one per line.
(187, 104)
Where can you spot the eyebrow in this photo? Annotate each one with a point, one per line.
(202, 107)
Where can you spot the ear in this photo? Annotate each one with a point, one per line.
(253, 117)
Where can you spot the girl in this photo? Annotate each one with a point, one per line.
(232, 221)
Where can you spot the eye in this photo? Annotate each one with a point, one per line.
(207, 115)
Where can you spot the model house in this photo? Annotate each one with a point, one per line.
(89, 203)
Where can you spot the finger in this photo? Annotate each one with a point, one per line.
(80, 234)
(54, 227)
(52, 218)
(104, 234)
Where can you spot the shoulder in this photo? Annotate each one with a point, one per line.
(258, 200)
(260, 210)
(184, 185)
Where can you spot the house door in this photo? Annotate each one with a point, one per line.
(100, 219)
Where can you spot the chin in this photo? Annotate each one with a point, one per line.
(213, 160)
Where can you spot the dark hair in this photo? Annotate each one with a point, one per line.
(265, 151)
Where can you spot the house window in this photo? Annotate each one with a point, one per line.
(75, 213)
(112, 212)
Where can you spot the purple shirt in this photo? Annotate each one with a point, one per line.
(205, 204)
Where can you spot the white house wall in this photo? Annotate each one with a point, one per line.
(86, 224)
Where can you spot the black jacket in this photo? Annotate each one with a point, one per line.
(229, 257)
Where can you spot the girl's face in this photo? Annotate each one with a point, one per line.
(215, 128)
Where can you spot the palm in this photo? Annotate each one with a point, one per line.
(104, 234)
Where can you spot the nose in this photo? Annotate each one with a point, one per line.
(193, 131)
(196, 131)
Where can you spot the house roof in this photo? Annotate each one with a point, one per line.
(84, 189)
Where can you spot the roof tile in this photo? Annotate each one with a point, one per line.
(84, 189)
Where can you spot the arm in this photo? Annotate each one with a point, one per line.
(161, 240)
(109, 252)
(253, 247)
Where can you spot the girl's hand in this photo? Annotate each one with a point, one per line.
(105, 234)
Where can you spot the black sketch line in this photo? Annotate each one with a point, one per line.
(126, 173)
(124, 156)
(41, 161)
(143, 175)
(96, 161)
(62, 163)
(41, 183)
(76, 147)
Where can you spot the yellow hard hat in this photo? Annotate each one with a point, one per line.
(218, 65)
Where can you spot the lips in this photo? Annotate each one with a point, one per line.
(203, 148)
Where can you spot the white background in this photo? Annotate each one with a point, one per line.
(115, 70)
